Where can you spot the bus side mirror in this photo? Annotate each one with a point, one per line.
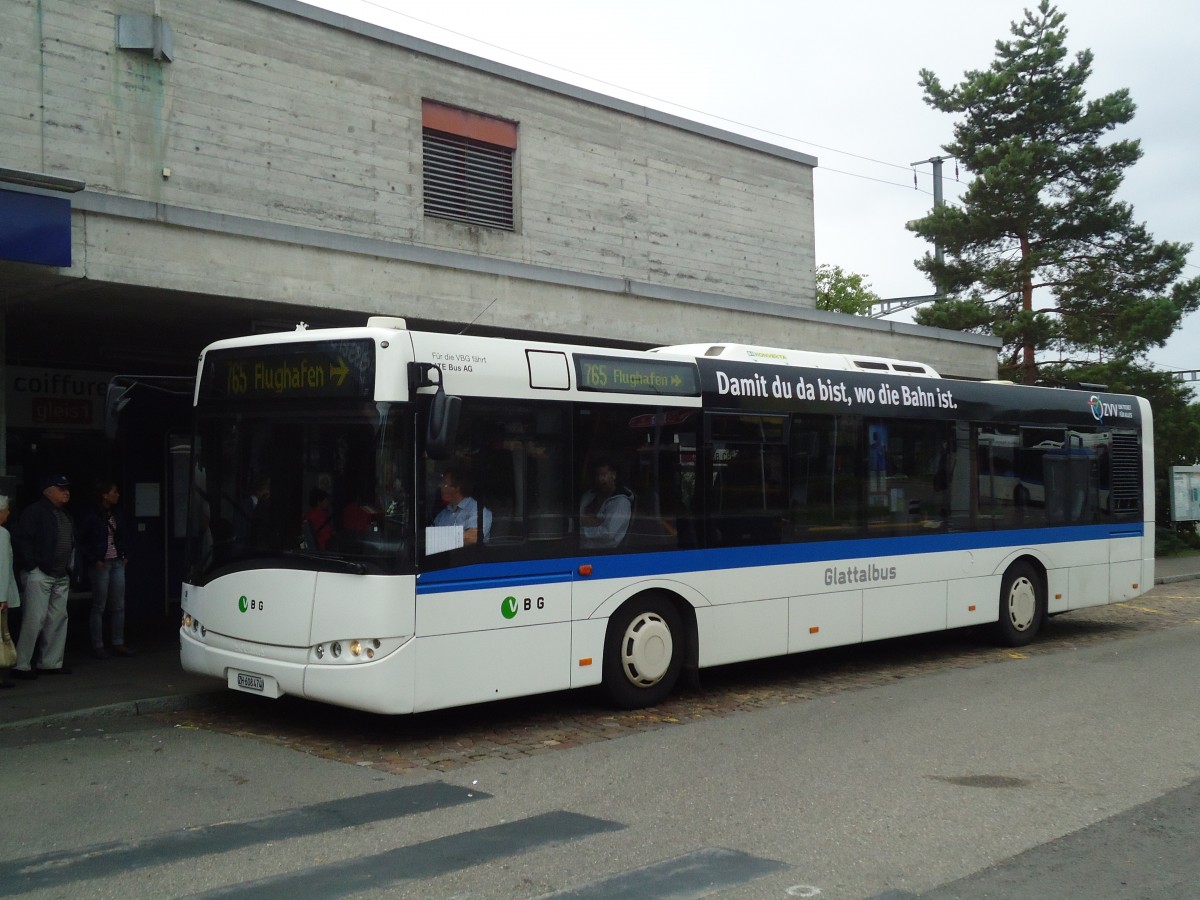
(116, 398)
(442, 430)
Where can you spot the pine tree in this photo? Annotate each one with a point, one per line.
(1041, 215)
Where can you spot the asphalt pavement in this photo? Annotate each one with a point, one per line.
(152, 681)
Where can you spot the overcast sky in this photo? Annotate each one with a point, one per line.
(839, 81)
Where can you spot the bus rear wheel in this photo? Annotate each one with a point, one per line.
(643, 652)
(1022, 606)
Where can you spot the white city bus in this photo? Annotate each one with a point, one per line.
(771, 502)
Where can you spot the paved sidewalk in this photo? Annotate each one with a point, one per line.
(1177, 568)
(153, 681)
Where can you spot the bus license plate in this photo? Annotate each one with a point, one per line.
(253, 683)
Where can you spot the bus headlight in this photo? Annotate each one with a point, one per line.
(348, 651)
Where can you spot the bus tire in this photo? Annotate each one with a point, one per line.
(643, 652)
(1022, 605)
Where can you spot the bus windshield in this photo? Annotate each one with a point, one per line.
(321, 486)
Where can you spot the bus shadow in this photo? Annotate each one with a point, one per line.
(525, 726)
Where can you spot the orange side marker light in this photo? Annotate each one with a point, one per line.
(586, 661)
(585, 569)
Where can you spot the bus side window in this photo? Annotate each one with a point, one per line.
(747, 490)
(653, 452)
(826, 500)
(514, 457)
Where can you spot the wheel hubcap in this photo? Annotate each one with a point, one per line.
(1022, 604)
(646, 649)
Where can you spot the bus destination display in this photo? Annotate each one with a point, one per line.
(621, 375)
(321, 369)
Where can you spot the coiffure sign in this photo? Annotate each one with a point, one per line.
(55, 398)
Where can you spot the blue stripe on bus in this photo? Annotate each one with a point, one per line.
(674, 562)
(470, 578)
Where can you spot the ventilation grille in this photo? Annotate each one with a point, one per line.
(468, 180)
(1126, 486)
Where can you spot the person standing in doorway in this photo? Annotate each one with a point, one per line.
(44, 542)
(102, 536)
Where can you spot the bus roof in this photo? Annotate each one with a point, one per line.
(806, 358)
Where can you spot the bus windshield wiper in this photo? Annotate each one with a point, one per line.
(348, 564)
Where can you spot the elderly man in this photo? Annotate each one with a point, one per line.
(43, 542)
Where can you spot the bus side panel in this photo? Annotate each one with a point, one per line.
(362, 606)
(458, 669)
(598, 599)
(587, 652)
(502, 606)
(824, 620)
(1148, 558)
(1058, 590)
(903, 609)
(733, 632)
(972, 601)
(1125, 572)
(1088, 586)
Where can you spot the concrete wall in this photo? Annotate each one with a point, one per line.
(292, 137)
(272, 116)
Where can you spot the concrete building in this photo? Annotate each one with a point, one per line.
(174, 171)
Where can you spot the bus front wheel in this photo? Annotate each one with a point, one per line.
(1022, 606)
(643, 652)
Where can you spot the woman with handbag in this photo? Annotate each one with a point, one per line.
(10, 597)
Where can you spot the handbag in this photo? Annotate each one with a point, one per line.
(8, 650)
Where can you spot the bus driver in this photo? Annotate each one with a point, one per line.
(461, 508)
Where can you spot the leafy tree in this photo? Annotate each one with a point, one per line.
(1041, 214)
(842, 291)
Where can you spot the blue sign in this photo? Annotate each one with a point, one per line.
(35, 229)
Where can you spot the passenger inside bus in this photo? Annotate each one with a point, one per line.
(318, 520)
(605, 510)
(252, 526)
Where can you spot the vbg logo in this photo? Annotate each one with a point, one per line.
(244, 604)
(512, 605)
